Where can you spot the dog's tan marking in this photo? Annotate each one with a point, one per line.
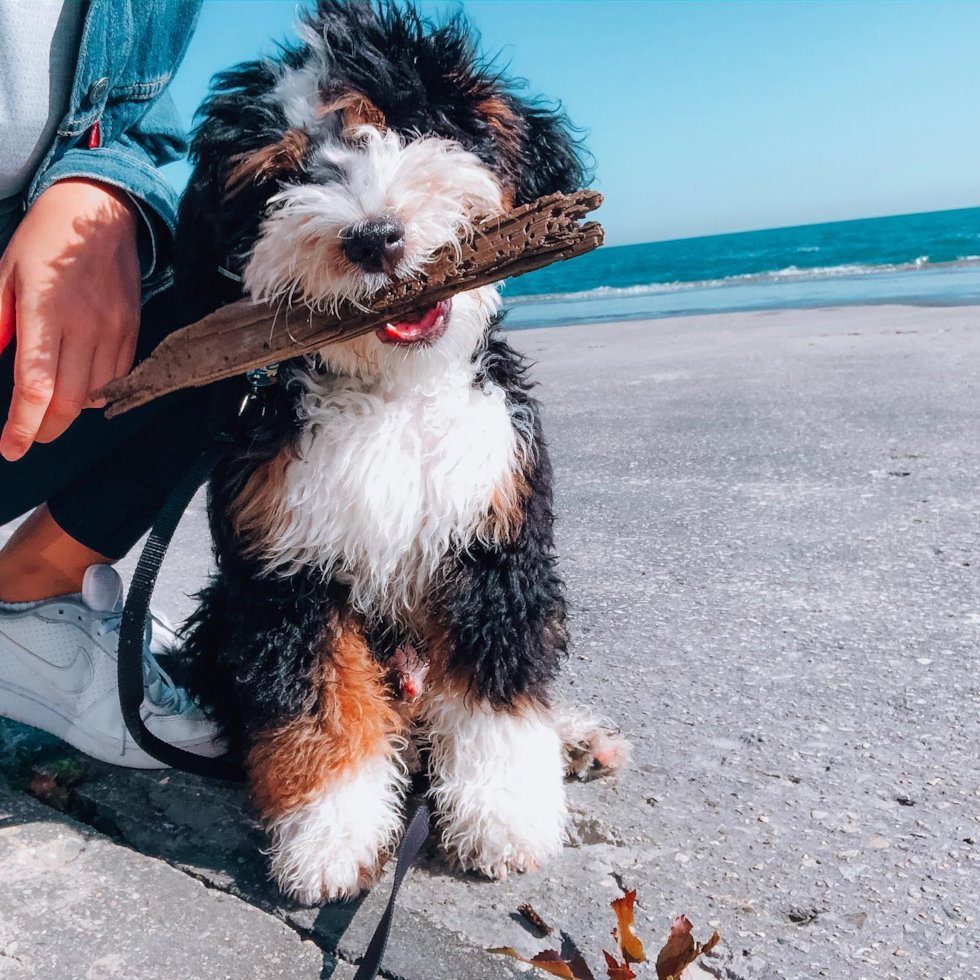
(504, 121)
(505, 512)
(255, 513)
(352, 720)
(509, 131)
(268, 162)
(357, 110)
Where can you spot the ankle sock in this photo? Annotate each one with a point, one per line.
(14, 607)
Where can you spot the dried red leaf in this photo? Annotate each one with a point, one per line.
(551, 962)
(623, 933)
(43, 784)
(580, 969)
(680, 950)
(616, 970)
(45, 788)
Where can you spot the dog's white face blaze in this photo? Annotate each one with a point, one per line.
(434, 188)
(497, 784)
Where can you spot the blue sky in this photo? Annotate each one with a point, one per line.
(710, 116)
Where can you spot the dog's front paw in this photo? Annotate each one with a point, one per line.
(333, 847)
(497, 783)
(592, 746)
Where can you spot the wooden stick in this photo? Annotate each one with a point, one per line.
(246, 335)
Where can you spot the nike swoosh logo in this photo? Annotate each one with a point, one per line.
(72, 678)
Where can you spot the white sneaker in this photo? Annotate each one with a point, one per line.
(58, 673)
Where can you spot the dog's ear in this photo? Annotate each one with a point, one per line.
(552, 157)
(242, 150)
(196, 252)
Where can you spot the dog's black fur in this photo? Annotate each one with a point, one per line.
(258, 638)
(426, 79)
(253, 633)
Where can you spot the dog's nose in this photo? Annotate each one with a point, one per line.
(376, 245)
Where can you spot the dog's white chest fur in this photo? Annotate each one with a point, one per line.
(392, 474)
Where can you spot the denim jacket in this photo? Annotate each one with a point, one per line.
(121, 123)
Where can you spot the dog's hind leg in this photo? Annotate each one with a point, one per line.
(328, 782)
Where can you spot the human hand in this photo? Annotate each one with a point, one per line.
(70, 290)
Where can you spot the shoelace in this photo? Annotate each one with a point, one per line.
(161, 690)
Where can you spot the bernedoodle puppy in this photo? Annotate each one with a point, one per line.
(385, 571)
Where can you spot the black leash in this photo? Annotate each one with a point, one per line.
(132, 630)
(413, 837)
(129, 667)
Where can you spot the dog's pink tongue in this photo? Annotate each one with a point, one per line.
(412, 331)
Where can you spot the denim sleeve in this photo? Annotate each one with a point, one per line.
(130, 162)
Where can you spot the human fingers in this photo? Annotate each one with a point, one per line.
(105, 367)
(35, 373)
(71, 386)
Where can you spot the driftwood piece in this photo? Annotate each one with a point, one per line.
(245, 335)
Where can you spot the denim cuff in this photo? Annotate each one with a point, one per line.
(155, 200)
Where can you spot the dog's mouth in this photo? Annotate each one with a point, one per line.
(427, 329)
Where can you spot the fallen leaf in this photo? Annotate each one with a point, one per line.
(623, 933)
(528, 913)
(680, 950)
(52, 783)
(44, 788)
(617, 970)
(66, 772)
(551, 962)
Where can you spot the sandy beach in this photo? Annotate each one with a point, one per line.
(769, 526)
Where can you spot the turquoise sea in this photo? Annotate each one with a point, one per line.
(928, 259)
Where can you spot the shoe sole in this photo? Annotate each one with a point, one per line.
(19, 705)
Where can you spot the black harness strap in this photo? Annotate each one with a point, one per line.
(129, 666)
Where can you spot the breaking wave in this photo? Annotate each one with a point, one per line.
(791, 273)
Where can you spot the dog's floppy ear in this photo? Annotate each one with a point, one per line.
(552, 156)
(243, 148)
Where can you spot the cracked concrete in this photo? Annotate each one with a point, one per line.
(769, 527)
(76, 905)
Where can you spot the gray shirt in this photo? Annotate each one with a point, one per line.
(39, 40)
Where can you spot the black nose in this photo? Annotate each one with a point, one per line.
(376, 245)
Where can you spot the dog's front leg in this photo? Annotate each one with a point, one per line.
(496, 783)
(328, 782)
(496, 760)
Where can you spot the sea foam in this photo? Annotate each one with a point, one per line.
(790, 273)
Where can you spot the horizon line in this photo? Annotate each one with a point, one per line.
(805, 224)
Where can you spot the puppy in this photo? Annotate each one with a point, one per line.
(384, 556)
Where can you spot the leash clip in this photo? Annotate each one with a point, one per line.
(259, 380)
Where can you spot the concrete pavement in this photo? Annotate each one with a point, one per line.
(769, 526)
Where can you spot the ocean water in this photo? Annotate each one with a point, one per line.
(928, 259)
